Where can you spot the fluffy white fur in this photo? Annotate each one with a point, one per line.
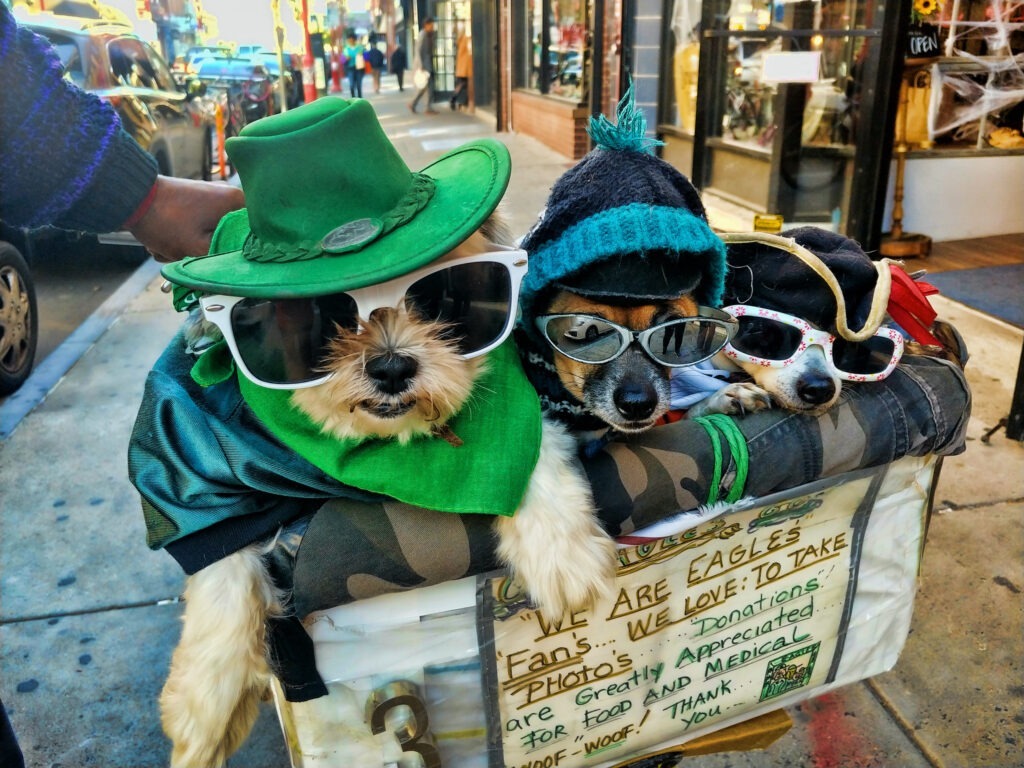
(553, 544)
(219, 672)
(806, 386)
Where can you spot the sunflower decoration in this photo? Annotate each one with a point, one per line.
(923, 10)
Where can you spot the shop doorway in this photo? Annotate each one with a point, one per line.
(794, 108)
(450, 18)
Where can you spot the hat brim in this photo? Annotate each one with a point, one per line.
(469, 182)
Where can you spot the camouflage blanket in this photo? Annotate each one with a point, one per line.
(350, 550)
(203, 462)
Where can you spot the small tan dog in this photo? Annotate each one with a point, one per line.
(631, 391)
(396, 377)
(625, 272)
(794, 298)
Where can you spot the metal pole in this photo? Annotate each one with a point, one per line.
(282, 90)
(308, 76)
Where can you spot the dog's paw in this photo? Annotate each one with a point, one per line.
(564, 572)
(734, 400)
(554, 544)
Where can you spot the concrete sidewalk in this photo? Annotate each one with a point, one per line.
(88, 615)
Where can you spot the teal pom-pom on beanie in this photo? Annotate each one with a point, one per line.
(624, 210)
(629, 131)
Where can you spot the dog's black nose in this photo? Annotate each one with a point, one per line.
(816, 390)
(391, 373)
(636, 400)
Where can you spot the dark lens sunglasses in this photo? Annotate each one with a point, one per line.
(675, 343)
(281, 343)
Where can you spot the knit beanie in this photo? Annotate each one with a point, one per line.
(765, 276)
(622, 223)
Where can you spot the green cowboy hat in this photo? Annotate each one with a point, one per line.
(331, 206)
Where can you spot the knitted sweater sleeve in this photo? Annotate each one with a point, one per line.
(65, 160)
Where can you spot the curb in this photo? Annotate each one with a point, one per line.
(51, 370)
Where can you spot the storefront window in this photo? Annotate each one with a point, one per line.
(783, 106)
(557, 31)
(759, 31)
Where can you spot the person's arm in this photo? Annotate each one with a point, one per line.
(60, 145)
(178, 217)
(68, 163)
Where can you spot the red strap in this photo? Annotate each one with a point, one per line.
(909, 306)
(669, 417)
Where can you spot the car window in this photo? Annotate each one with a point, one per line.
(164, 78)
(67, 49)
(130, 65)
(213, 68)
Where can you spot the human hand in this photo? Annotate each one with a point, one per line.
(182, 216)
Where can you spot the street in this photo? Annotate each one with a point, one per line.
(72, 280)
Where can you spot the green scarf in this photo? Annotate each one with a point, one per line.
(499, 427)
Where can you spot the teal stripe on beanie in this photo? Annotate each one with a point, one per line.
(620, 205)
(629, 229)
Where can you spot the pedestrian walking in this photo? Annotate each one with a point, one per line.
(463, 68)
(375, 63)
(355, 65)
(399, 63)
(424, 73)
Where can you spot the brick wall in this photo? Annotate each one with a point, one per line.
(559, 125)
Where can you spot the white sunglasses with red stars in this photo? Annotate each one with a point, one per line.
(774, 339)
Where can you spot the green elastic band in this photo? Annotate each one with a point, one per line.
(719, 424)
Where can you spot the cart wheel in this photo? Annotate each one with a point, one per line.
(664, 760)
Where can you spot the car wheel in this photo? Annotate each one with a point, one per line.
(19, 329)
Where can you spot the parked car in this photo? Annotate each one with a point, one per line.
(172, 122)
(220, 70)
(184, 66)
(244, 87)
(167, 119)
(270, 62)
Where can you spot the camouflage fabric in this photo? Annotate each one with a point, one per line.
(351, 550)
(213, 479)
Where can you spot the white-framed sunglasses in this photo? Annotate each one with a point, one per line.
(281, 343)
(774, 339)
(676, 343)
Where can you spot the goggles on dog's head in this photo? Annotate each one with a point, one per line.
(675, 343)
(775, 339)
(281, 343)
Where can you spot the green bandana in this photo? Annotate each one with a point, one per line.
(499, 428)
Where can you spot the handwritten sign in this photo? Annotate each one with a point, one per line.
(711, 622)
(702, 626)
